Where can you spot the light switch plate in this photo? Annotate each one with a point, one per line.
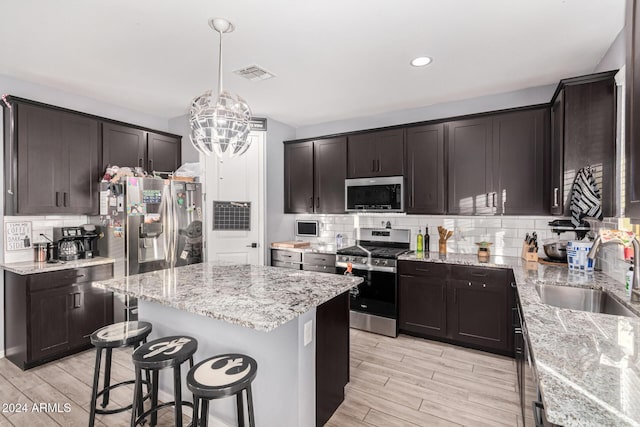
(308, 332)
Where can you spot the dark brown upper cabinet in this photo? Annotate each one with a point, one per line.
(519, 143)
(123, 146)
(583, 134)
(51, 161)
(298, 177)
(314, 176)
(133, 147)
(471, 159)
(163, 152)
(330, 171)
(496, 163)
(376, 154)
(632, 111)
(424, 166)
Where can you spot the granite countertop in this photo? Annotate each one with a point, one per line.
(588, 364)
(33, 267)
(256, 297)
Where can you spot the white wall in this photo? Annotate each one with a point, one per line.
(64, 99)
(279, 226)
(615, 57)
(180, 126)
(520, 98)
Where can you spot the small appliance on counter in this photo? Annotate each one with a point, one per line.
(69, 241)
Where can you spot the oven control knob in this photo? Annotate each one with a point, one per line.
(363, 260)
(383, 262)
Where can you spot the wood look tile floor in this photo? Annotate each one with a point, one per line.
(68, 381)
(409, 381)
(404, 381)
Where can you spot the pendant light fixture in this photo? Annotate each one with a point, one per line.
(220, 121)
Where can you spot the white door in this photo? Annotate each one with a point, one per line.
(239, 179)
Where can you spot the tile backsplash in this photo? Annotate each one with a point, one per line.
(39, 225)
(506, 233)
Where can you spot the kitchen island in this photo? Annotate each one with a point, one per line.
(587, 364)
(294, 323)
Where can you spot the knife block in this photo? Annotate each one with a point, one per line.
(529, 256)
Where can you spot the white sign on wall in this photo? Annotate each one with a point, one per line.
(18, 235)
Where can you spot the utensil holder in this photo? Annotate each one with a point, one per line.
(442, 247)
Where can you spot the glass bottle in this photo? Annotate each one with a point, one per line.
(419, 242)
(426, 239)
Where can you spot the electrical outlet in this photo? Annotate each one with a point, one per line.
(308, 332)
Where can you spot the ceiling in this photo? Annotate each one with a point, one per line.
(334, 59)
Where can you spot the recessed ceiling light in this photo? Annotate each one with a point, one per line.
(421, 61)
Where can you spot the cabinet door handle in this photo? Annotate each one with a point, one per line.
(77, 300)
(469, 283)
(537, 418)
(64, 199)
(493, 195)
(487, 199)
(140, 162)
(378, 165)
(311, 202)
(57, 199)
(484, 285)
(556, 190)
(373, 167)
(150, 165)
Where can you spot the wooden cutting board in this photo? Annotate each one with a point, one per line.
(291, 244)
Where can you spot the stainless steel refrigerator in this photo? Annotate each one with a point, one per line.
(149, 224)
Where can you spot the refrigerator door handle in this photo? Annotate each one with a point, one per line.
(167, 221)
(176, 231)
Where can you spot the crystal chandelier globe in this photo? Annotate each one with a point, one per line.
(220, 122)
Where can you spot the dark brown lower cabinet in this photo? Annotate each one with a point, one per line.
(332, 356)
(471, 306)
(52, 315)
(424, 304)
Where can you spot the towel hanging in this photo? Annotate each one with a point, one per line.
(585, 197)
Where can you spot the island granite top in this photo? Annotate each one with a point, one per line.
(256, 297)
(34, 267)
(588, 364)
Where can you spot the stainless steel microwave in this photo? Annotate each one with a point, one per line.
(374, 194)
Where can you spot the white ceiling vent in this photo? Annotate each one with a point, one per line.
(254, 73)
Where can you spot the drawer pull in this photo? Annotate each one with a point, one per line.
(426, 270)
(469, 283)
(479, 274)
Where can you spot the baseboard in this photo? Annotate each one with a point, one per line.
(163, 396)
(1, 354)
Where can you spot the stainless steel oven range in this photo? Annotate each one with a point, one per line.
(374, 303)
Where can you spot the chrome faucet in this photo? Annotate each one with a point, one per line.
(635, 284)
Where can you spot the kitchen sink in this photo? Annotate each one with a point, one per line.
(584, 299)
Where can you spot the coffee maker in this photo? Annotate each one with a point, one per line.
(70, 242)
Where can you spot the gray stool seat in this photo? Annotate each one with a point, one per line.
(222, 376)
(167, 352)
(117, 335)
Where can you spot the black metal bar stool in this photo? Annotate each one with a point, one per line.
(123, 334)
(167, 352)
(222, 376)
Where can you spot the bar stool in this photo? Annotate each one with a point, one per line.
(222, 376)
(123, 334)
(167, 352)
